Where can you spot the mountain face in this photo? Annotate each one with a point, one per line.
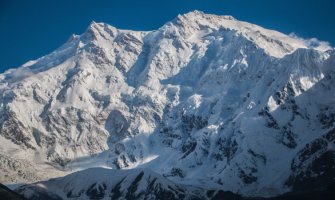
(205, 101)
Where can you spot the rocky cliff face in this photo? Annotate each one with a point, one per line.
(205, 100)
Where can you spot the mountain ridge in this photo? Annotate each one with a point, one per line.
(204, 100)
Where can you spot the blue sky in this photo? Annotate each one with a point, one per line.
(31, 29)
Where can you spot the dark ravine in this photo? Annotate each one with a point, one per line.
(7, 194)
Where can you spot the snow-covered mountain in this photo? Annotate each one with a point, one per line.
(206, 100)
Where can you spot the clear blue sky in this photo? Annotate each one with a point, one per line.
(31, 29)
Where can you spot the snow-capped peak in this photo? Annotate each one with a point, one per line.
(273, 42)
(196, 14)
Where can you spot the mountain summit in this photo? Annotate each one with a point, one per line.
(205, 101)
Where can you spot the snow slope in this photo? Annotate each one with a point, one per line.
(205, 100)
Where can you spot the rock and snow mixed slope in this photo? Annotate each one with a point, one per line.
(100, 183)
(205, 100)
(105, 184)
